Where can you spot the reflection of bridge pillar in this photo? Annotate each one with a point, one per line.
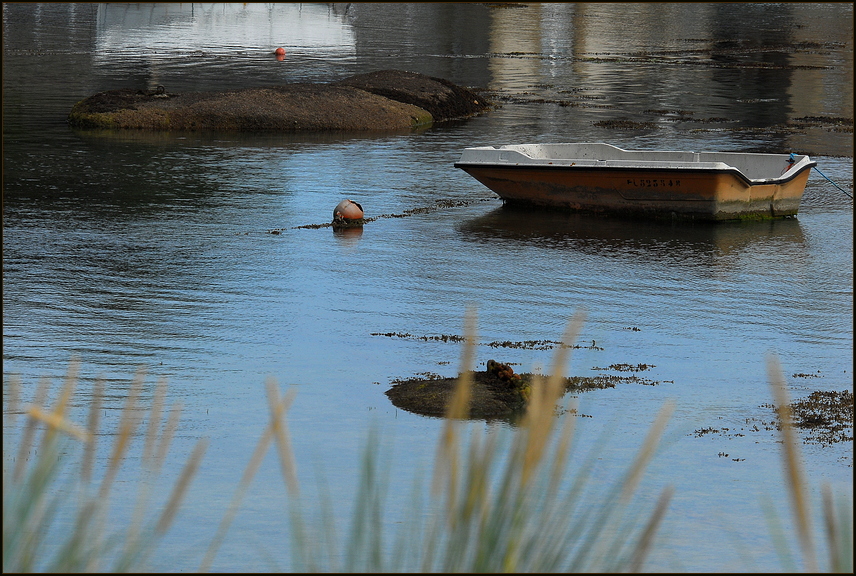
(816, 97)
(515, 33)
(826, 88)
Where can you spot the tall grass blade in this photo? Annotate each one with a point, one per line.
(56, 422)
(127, 425)
(446, 464)
(154, 423)
(645, 542)
(280, 432)
(258, 455)
(167, 436)
(838, 519)
(13, 393)
(32, 540)
(794, 474)
(649, 446)
(56, 419)
(539, 420)
(178, 491)
(92, 423)
(148, 464)
(29, 432)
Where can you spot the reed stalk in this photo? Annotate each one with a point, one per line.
(506, 500)
(43, 527)
(837, 518)
(501, 501)
(273, 431)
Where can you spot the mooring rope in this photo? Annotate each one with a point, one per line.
(833, 183)
(793, 159)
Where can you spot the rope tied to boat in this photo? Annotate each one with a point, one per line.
(793, 159)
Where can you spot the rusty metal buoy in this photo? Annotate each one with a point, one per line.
(347, 214)
(348, 210)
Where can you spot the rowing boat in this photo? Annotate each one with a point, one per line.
(598, 177)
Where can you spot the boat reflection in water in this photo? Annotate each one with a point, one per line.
(641, 240)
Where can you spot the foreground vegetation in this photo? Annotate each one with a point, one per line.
(498, 503)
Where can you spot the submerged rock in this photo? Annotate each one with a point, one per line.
(441, 98)
(387, 100)
(491, 397)
(497, 392)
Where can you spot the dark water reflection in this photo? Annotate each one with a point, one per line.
(702, 244)
(156, 249)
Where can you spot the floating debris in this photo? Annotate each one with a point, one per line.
(602, 381)
(627, 367)
(804, 375)
(440, 338)
(824, 417)
(525, 344)
(625, 124)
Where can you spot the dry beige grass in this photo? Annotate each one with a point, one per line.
(495, 505)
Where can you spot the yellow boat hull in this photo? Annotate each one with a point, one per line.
(678, 186)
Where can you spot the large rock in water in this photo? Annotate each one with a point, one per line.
(387, 100)
(444, 100)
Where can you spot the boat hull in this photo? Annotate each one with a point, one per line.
(646, 186)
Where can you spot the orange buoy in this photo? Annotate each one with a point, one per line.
(347, 210)
(280, 52)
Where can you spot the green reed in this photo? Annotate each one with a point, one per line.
(39, 487)
(837, 513)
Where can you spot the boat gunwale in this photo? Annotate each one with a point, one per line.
(653, 169)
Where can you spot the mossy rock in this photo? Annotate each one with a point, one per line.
(382, 101)
(496, 392)
(491, 398)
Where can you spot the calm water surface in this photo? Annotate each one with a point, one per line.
(130, 250)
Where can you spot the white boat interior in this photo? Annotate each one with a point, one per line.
(754, 167)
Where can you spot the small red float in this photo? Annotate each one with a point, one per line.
(280, 52)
